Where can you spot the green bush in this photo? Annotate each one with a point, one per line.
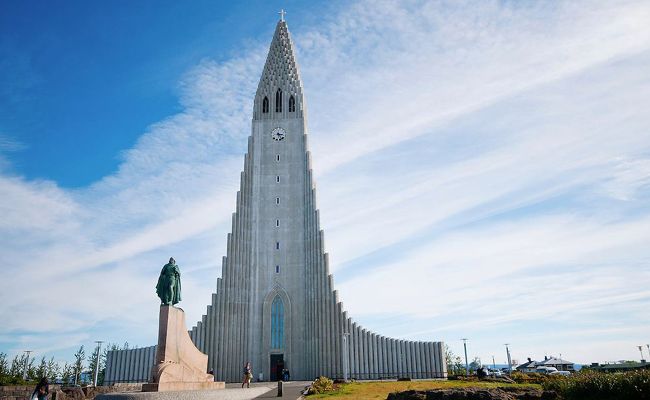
(321, 385)
(531, 377)
(592, 385)
(6, 380)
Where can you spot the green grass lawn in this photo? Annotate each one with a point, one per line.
(380, 390)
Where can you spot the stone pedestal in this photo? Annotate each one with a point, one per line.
(179, 364)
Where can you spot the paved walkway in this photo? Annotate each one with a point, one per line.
(229, 393)
(290, 390)
(233, 391)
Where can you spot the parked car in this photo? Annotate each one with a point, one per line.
(546, 370)
(495, 373)
(561, 373)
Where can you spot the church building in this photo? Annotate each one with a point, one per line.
(275, 305)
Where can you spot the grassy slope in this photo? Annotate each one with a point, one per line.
(380, 390)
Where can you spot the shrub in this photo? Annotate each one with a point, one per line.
(321, 385)
(592, 385)
(531, 377)
(519, 377)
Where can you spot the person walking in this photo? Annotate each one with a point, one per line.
(42, 390)
(248, 375)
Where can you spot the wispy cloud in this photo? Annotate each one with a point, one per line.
(485, 164)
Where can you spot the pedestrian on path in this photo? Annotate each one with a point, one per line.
(41, 391)
(248, 375)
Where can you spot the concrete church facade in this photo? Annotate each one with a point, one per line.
(275, 304)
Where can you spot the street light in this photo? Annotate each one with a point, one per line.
(99, 346)
(26, 364)
(466, 364)
(509, 361)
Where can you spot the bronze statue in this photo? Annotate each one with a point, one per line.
(169, 284)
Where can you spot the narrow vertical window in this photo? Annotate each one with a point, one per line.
(277, 321)
(265, 105)
(277, 200)
(277, 157)
(277, 222)
(278, 100)
(277, 269)
(277, 179)
(277, 245)
(292, 104)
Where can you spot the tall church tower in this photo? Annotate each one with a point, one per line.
(275, 305)
(265, 300)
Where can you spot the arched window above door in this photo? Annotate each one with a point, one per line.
(277, 323)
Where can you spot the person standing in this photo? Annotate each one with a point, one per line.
(42, 390)
(248, 375)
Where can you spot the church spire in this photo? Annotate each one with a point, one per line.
(280, 81)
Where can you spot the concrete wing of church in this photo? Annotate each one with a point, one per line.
(275, 305)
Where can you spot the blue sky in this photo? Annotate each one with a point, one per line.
(482, 168)
(115, 67)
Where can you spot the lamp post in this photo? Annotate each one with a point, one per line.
(466, 363)
(26, 364)
(509, 360)
(99, 346)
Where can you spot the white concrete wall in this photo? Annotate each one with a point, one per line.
(133, 365)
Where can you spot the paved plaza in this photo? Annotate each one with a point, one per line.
(233, 391)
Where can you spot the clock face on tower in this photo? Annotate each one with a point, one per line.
(278, 134)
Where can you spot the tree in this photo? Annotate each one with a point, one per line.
(4, 365)
(102, 364)
(449, 358)
(17, 366)
(454, 363)
(92, 363)
(32, 370)
(78, 365)
(41, 370)
(67, 374)
(475, 364)
(53, 370)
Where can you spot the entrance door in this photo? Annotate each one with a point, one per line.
(277, 365)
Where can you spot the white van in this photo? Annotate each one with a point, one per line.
(545, 370)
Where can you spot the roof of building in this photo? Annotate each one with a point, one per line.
(281, 68)
(528, 364)
(555, 361)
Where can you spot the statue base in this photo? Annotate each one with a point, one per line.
(182, 386)
(179, 364)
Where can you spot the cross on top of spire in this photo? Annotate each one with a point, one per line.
(282, 13)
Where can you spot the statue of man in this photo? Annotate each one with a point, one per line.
(169, 284)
